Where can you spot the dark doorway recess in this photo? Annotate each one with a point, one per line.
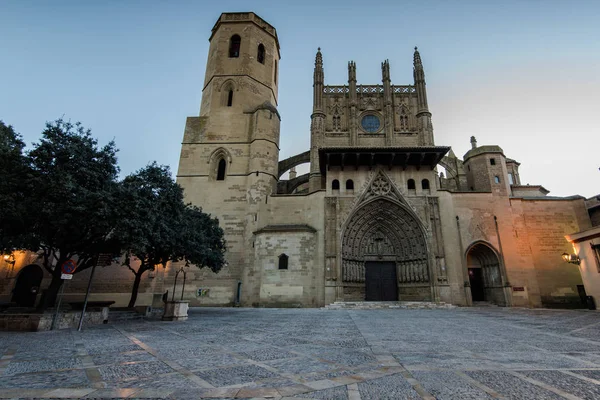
(27, 286)
(381, 281)
(476, 281)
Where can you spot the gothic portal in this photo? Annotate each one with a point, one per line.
(383, 228)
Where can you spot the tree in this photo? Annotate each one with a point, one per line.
(74, 188)
(14, 190)
(155, 226)
(201, 241)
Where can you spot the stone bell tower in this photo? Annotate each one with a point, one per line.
(229, 154)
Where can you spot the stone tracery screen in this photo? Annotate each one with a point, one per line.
(380, 229)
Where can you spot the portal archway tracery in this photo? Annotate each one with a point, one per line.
(384, 229)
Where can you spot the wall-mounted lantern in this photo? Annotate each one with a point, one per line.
(571, 258)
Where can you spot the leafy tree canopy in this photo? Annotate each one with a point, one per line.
(14, 189)
(155, 226)
(74, 186)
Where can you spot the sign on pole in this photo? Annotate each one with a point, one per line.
(68, 267)
(66, 276)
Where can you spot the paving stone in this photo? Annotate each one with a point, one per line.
(389, 387)
(267, 354)
(118, 358)
(235, 375)
(512, 387)
(31, 354)
(446, 385)
(110, 348)
(120, 372)
(209, 361)
(566, 383)
(335, 393)
(171, 381)
(530, 360)
(444, 360)
(319, 349)
(348, 357)
(65, 379)
(591, 373)
(17, 367)
(299, 365)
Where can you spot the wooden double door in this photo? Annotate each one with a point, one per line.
(381, 281)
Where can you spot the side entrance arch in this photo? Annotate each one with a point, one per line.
(28, 285)
(485, 273)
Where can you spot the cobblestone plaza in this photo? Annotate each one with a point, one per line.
(475, 353)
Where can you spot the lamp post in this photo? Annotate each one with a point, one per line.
(9, 259)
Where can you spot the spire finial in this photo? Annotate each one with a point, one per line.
(319, 59)
(417, 58)
(473, 142)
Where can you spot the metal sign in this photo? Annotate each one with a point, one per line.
(66, 276)
(68, 267)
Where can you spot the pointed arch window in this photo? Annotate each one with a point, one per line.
(425, 184)
(283, 261)
(260, 56)
(221, 169)
(234, 46)
(230, 98)
(411, 184)
(335, 185)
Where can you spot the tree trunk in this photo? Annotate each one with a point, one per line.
(136, 287)
(51, 293)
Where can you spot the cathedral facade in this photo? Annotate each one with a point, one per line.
(373, 219)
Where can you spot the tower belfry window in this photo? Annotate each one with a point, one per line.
(234, 46)
(221, 170)
(230, 98)
(275, 72)
(260, 56)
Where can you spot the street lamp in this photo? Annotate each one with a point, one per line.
(9, 259)
(571, 258)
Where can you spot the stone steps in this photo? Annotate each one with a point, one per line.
(483, 304)
(379, 305)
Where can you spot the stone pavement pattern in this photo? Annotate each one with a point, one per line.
(468, 353)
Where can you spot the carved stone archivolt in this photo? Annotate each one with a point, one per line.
(383, 228)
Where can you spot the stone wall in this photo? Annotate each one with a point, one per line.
(531, 241)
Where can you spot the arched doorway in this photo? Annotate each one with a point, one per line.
(27, 286)
(384, 254)
(483, 266)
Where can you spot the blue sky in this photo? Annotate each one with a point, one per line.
(523, 75)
